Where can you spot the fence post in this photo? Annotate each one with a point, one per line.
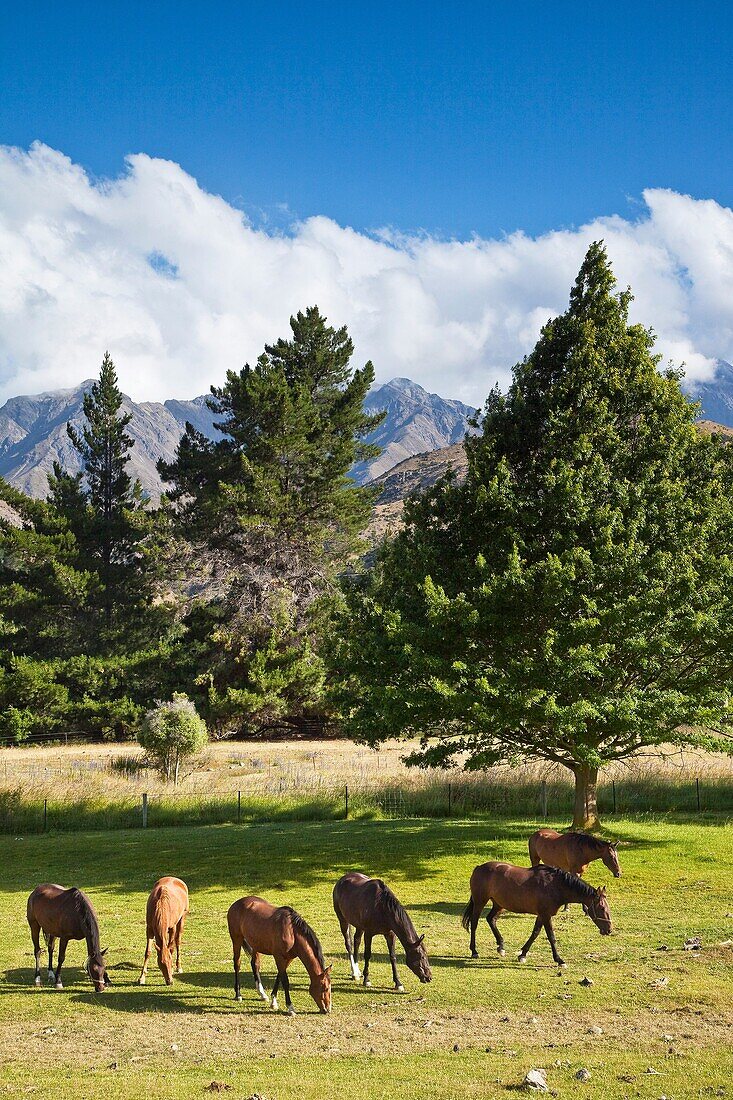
(613, 786)
(145, 811)
(45, 814)
(449, 798)
(544, 799)
(346, 815)
(697, 789)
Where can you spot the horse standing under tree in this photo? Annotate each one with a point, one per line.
(65, 915)
(165, 914)
(372, 909)
(572, 851)
(265, 929)
(536, 890)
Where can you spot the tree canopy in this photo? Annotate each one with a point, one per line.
(573, 599)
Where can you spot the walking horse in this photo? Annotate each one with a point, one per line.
(534, 890)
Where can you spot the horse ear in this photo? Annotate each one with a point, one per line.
(328, 969)
(421, 939)
(602, 891)
(614, 844)
(103, 953)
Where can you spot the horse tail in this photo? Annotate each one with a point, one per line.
(467, 914)
(534, 857)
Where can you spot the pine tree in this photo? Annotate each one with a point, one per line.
(271, 510)
(103, 506)
(573, 600)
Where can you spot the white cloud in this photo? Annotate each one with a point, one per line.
(179, 286)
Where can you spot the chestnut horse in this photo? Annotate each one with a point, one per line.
(373, 910)
(536, 890)
(65, 915)
(264, 929)
(572, 851)
(165, 914)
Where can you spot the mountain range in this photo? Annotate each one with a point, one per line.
(33, 434)
(33, 431)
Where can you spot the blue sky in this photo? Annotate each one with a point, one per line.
(452, 118)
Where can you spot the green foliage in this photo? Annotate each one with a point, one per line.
(271, 510)
(573, 600)
(172, 732)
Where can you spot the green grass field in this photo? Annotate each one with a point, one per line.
(665, 1016)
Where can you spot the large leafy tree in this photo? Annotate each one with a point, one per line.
(573, 600)
(269, 515)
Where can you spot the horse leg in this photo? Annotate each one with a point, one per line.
(535, 933)
(357, 945)
(50, 944)
(179, 933)
(275, 988)
(390, 938)
(475, 917)
(148, 949)
(59, 962)
(286, 990)
(36, 937)
(237, 965)
(551, 937)
(348, 942)
(491, 921)
(367, 957)
(255, 962)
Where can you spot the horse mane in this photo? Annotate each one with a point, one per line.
(87, 919)
(301, 926)
(394, 906)
(595, 842)
(583, 888)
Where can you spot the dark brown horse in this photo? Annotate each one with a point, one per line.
(372, 909)
(165, 914)
(264, 929)
(537, 890)
(572, 851)
(65, 915)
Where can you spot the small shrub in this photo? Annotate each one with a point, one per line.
(170, 733)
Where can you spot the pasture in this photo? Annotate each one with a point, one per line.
(657, 1020)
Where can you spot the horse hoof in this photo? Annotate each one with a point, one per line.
(237, 996)
(367, 984)
(399, 989)
(37, 981)
(501, 951)
(290, 1011)
(51, 977)
(59, 985)
(179, 970)
(561, 964)
(474, 954)
(522, 959)
(275, 1006)
(141, 980)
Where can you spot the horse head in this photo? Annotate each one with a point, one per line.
(417, 959)
(597, 909)
(165, 962)
(610, 858)
(320, 989)
(97, 971)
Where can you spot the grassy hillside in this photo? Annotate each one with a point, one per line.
(656, 1020)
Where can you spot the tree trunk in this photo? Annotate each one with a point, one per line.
(585, 811)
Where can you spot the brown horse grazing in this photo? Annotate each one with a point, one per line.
(572, 851)
(537, 890)
(373, 910)
(165, 914)
(65, 915)
(264, 929)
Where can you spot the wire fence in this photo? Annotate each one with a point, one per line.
(278, 800)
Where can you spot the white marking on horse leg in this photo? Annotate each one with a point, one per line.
(275, 1005)
(355, 971)
(290, 1011)
(141, 979)
(179, 970)
(59, 985)
(51, 977)
(501, 951)
(399, 988)
(522, 959)
(37, 979)
(261, 991)
(367, 984)
(237, 996)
